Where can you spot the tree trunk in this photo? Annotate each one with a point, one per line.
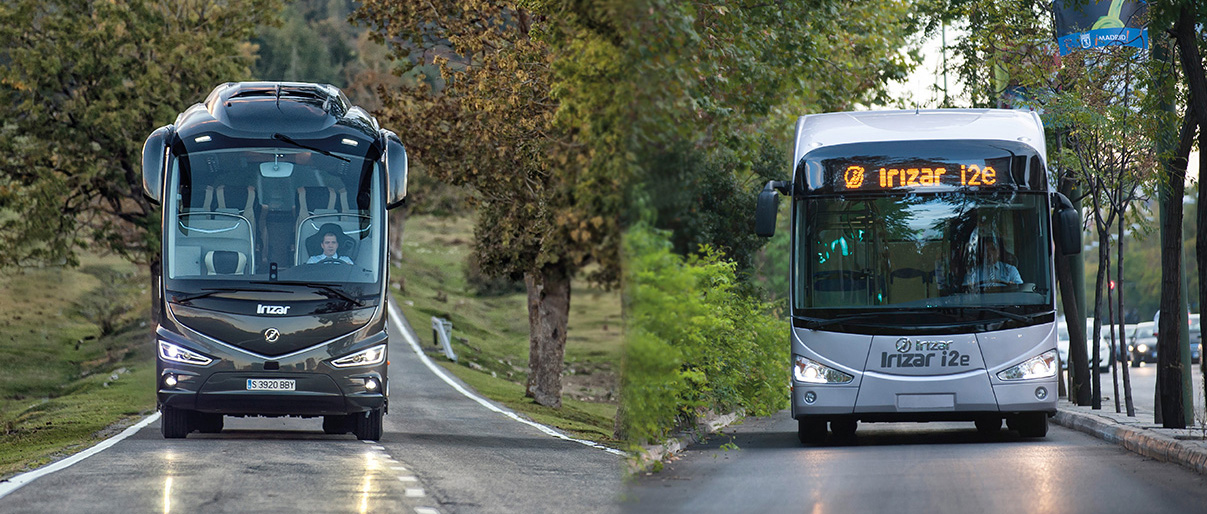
(1110, 317)
(548, 312)
(1127, 377)
(1095, 364)
(1173, 320)
(1079, 387)
(1196, 77)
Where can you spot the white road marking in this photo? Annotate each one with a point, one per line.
(408, 479)
(398, 468)
(414, 493)
(396, 316)
(16, 482)
(426, 510)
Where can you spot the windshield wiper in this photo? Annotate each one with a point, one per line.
(330, 289)
(208, 291)
(1005, 314)
(824, 322)
(290, 140)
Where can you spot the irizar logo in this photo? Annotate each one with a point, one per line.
(925, 355)
(272, 309)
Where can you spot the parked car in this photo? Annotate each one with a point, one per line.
(1104, 345)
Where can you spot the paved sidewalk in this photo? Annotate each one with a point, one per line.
(1186, 446)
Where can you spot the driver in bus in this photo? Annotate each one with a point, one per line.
(992, 271)
(330, 246)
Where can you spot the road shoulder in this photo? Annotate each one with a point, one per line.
(1186, 447)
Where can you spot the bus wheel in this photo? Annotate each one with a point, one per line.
(337, 425)
(1032, 424)
(811, 431)
(368, 425)
(844, 428)
(175, 423)
(988, 424)
(208, 423)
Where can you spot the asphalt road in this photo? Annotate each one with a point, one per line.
(441, 452)
(905, 468)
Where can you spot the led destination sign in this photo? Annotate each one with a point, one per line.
(855, 176)
(902, 166)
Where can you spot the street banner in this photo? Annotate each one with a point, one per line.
(1085, 24)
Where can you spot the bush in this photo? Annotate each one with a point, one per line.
(696, 341)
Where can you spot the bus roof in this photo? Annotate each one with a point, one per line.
(259, 109)
(818, 130)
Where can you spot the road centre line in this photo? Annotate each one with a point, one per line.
(16, 482)
(396, 317)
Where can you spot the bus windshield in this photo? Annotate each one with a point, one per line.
(280, 211)
(952, 249)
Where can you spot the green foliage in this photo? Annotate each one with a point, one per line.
(696, 342)
(1004, 41)
(313, 43)
(83, 83)
(726, 81)
(488, 285)
(716, 73)
(701, 201)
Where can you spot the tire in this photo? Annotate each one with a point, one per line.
(208, 423)
(367, 425)
(988, 424)
(337, 425)
(811, 431)
(175, 423)
(1032, 424)
(844, 428)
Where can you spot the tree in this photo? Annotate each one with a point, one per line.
(1093, 101)
(526, 112)
(83, 83)
(1188, 34)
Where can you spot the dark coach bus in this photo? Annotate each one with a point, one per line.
(272, 299)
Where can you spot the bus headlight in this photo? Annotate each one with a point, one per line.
(174, 353)
(366, 357)
(812, 372)
(1040, 366)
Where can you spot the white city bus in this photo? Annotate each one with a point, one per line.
(922, 282)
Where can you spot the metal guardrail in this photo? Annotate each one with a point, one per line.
(442, 333)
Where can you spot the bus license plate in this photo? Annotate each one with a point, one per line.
(270, 384)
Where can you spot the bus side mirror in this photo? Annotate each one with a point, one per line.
(396, 170)
(1067, 226)
(154, 157)
(767, 208)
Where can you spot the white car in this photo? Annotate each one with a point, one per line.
(1104, 345)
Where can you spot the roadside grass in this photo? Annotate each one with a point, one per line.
(64, 386)
(490, 333)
